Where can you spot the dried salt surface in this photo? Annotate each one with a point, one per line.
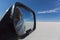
(45, 31)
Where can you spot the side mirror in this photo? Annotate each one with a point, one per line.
(19, 19)
(24, 20)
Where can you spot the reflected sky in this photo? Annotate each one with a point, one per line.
(27, 15)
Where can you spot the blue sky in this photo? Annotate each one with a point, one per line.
(45, 10)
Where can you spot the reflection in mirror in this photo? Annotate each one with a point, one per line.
(28, 19)
(23, 20)
(18, 21)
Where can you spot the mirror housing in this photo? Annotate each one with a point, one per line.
(17, 4)
(6, 22)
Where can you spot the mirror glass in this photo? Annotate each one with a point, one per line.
(23, 20)
(28, 19)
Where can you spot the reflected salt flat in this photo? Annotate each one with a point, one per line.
(45, 31)
(28, 25)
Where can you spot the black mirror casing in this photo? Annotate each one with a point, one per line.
(7, 21)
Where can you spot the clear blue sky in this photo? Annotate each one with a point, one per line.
(45, 10)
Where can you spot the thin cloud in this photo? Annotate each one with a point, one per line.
(50, 11)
